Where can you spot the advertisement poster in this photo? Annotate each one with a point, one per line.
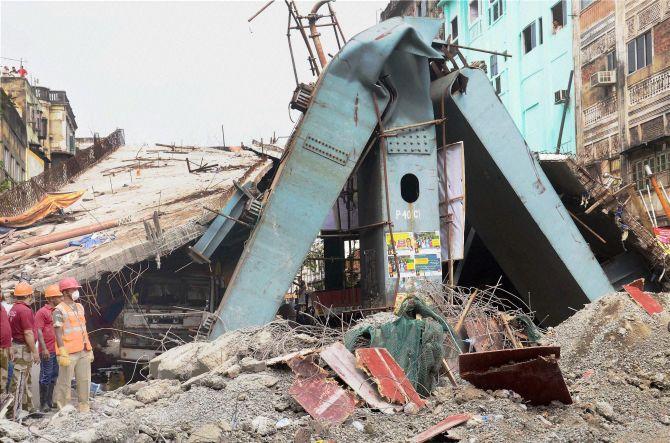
(427, 242)
(427, 264)
(404, 242)
(406, 264)
(418, 254)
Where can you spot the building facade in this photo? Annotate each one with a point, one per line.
(622, 51)
(14, 143)
(49, 127)
(532, 83)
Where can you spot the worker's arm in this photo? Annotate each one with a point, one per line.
(59, 336)
(29, 337)
(43, 346)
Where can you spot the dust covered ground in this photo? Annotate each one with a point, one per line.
(614, 356)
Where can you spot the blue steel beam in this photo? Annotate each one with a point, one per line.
(513, 206)
(321, 154)
(219, 228)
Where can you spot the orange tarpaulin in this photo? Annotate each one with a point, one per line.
(48, 205)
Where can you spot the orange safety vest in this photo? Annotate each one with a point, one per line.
(75, 336)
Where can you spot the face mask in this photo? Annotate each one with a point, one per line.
(75, 296)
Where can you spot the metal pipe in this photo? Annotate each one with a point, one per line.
(659, 193)
(293, 12)
(382, 146)
(504, 54)
(314, 34)
(260, 10)
(57, 236)
(565, 111)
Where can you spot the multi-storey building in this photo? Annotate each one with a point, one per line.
(49, 127)
(622, 54)
(14, 143)
(534, 81)
(61, 123)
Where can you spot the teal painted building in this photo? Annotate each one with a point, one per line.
(532, 83)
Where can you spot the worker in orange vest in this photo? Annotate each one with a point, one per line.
(74, 350)
(22, 323)
(46, 337)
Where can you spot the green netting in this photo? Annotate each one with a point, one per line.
(415, 344)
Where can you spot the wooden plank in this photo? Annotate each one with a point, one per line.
(286, 357)
(644, 300)
(505, 321)
(343, 362)
(389, 376)
(323, 399)
(465, 311)
(440, 428)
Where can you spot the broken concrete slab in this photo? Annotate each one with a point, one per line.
(533, 373)
(388, 375)
(157, 390)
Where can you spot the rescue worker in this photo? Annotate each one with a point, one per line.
(22, 324)
(6, 354)
(47, 341)
(73, 346)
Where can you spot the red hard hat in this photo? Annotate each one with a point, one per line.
(68, 283)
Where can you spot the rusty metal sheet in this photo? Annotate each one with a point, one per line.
(440, 428)
(305, 367)
(323, 399)
(486, 333)
(389, 376)
(343, 362)
(533, 373)
(644, 300)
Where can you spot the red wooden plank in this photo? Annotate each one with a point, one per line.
(323, 399)
(343, 362)
(635, 290)
(440, 428)
(389, 376)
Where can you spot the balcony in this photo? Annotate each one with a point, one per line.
(656, 85)
(600, 111)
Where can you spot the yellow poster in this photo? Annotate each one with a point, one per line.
(404, 243)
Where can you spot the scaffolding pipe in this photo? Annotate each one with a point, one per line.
(21, 245)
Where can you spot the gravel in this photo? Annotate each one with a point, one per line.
(614, 357)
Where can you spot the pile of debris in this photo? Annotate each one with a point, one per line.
(260, 384)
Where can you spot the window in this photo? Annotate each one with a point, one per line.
(640, 52)
(611, 61)
(529, 35)
(495, 74)
(496, 10)
(454, 30)
(662, 161)
(474, 10)
(558, 16)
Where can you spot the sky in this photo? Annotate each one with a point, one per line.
(170, 72)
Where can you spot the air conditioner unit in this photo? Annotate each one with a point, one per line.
(560, 96)
(603, 78)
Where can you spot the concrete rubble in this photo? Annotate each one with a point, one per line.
(613, 354)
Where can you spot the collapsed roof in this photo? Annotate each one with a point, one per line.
(126, 188)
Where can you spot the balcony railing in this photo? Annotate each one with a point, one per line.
(649, 88)
(600, 111)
